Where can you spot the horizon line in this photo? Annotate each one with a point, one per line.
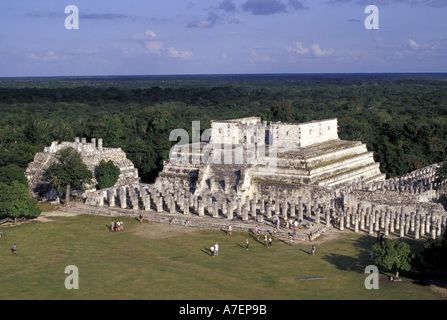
(226, 74)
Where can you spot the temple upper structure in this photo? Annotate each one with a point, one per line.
(248, 154)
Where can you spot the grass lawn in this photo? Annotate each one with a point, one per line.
(155, 261)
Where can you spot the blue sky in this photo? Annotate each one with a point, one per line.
(146, 37)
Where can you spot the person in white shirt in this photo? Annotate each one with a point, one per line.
(216, 249)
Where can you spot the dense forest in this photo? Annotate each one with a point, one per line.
(401, 117)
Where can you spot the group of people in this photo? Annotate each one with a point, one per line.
(289, 223)
(116, 226)
(215, 250)
(267, 238)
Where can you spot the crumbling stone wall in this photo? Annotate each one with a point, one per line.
(91, 153)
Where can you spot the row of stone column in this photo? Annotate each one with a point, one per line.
(418, 222)
(147, 197)
(414, 182)
(389, 221)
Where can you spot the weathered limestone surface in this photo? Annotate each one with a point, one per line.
(91, 153)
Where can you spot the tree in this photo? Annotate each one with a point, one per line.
(393, 255)
(12, 172)
(69, 170)
(435, 252)
(283, 111)
(15, 201)
(110, 128)
(441, 172)
(107, 173)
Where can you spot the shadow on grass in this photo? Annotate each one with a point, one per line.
(308, 252)
(345, 263)
(285, 242)
(206, 251)
(255, 238)
(358, 260)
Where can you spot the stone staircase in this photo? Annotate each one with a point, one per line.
(328, 164)
(226, 173)
(205, 222)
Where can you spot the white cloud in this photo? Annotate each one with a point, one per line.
(200, 24)
(413, 44)
(297, 49)
(255, 57)
(185, 55)
(50, 56)
(148, 34)
(148, 43)
(318, 52)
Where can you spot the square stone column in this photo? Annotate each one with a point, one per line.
(201, 209)
(253, 208)
(111, 197)
(268, 210)
(292, 208)
(230, 209)
(123, 197)
(160, 204)
(245, 212)
(215, 209)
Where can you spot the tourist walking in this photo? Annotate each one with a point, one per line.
(270, 242)
(312, 251)
(212, 251)
(14, 249)
(265, 240)
(229, 231)
(246, 244)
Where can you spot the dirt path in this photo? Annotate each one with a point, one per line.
(45, 216)
(155, 230)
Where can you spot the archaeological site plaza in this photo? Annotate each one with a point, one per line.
(248, 172)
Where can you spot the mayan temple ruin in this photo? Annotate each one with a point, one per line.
(248, 172)
(91, 154)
